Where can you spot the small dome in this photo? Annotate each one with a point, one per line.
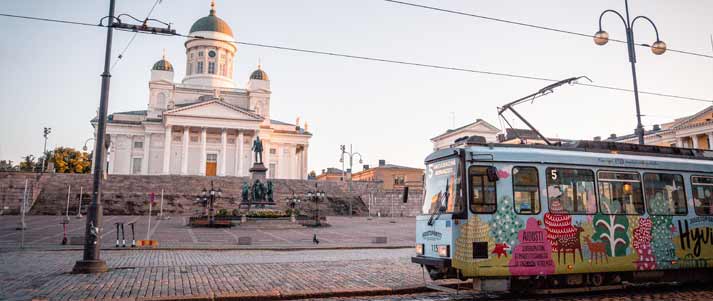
(163, 65)
(211, 23)
(259, 74)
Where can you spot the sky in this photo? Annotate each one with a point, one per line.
(51, 71)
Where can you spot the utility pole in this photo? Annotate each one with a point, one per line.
(91, 261)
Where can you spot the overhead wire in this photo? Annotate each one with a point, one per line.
(385, 60)
(540, 27)
(131, 41)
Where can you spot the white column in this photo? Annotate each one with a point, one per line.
(694, 138)
(280, 164)
(167, 151)
(679, 142)
(147, 154)
(223, 152)
(710, 140)
(293, 174)
(304, 161)
(184, 159)
(266, 156)
(111, 156)
(204, 136)
(239, 154)
(131, 154)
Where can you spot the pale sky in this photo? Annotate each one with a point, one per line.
(51, 71)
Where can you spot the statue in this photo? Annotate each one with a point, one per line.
(258, 191)
(245, 192)
(269, 192)
(257, 148)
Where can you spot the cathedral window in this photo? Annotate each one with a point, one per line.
(211, 67)
(199, 68)
(138, 144)
(200, 53)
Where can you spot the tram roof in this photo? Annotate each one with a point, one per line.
(589, 153)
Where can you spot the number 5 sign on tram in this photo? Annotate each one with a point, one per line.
(553, 173)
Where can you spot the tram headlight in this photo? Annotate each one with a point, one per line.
(443, 250)
(419, 249)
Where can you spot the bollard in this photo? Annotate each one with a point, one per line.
(120, 233)
(133, 236)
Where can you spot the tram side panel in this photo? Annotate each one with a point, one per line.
(521, 239)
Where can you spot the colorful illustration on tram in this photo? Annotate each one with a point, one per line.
(534, 212)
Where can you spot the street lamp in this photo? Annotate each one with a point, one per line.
(351, 155)
(316, 196)
(601, 37)
(293, 202)
(207, 198)
(46, 133)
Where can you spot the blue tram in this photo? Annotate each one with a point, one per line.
(515, 217)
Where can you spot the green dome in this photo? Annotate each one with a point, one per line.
(211, 23)
(163, 65)
(259, 74)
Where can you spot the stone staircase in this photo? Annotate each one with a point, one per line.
(12, 192)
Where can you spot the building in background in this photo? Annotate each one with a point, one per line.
(331, 174)
(205, 125)
(694, 131)
(478, 128)
(393, 176)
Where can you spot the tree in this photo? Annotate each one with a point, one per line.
(505, 224)
(613, 229)
(69, 160)
(28, 163)
(312, 175)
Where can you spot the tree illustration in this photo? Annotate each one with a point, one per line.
(662, 233)
(558, 225)
(642, 244)
(505, 224)
(613, 229)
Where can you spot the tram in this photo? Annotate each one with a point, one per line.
(591, 213)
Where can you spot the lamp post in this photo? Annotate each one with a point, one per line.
(207, 198)
(351, 155)
(46, 133)
(293, 201)
(316, 196)
(658, 48)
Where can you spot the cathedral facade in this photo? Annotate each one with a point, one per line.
(206, 124)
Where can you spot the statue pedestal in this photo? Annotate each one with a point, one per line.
(258, 172)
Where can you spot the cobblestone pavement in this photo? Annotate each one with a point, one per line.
(151, 273)
(45, 232)
(668, 293)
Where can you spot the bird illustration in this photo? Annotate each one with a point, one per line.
(314, 239)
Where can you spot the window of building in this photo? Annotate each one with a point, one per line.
(665, 194)
(702, 195)
(483, 194)
(571, 191)
(273, 151)
(620, 193)
(138, 144)
(399, 180)
(136, 166)
(177, 137)
(211, 67)
(526, 190)
(271, 171)
(199, 67)
(189, 68)
(212, 157)
(195, 138)
(200, 53)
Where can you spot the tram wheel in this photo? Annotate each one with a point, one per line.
(596, 279)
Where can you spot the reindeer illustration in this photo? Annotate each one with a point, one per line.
(598, 250)
(570, 244)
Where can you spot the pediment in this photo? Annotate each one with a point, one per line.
(215, 109)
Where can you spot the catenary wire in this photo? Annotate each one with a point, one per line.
(534, 26)
(384, 60)
(133, 37)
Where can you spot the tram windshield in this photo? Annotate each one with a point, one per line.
(442, 180)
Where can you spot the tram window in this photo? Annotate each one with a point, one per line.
(526, 190)
(483, 194)
(702, 195)
(571, 191)
(665, 194)
(620, 193)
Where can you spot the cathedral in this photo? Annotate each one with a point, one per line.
(206, 124)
